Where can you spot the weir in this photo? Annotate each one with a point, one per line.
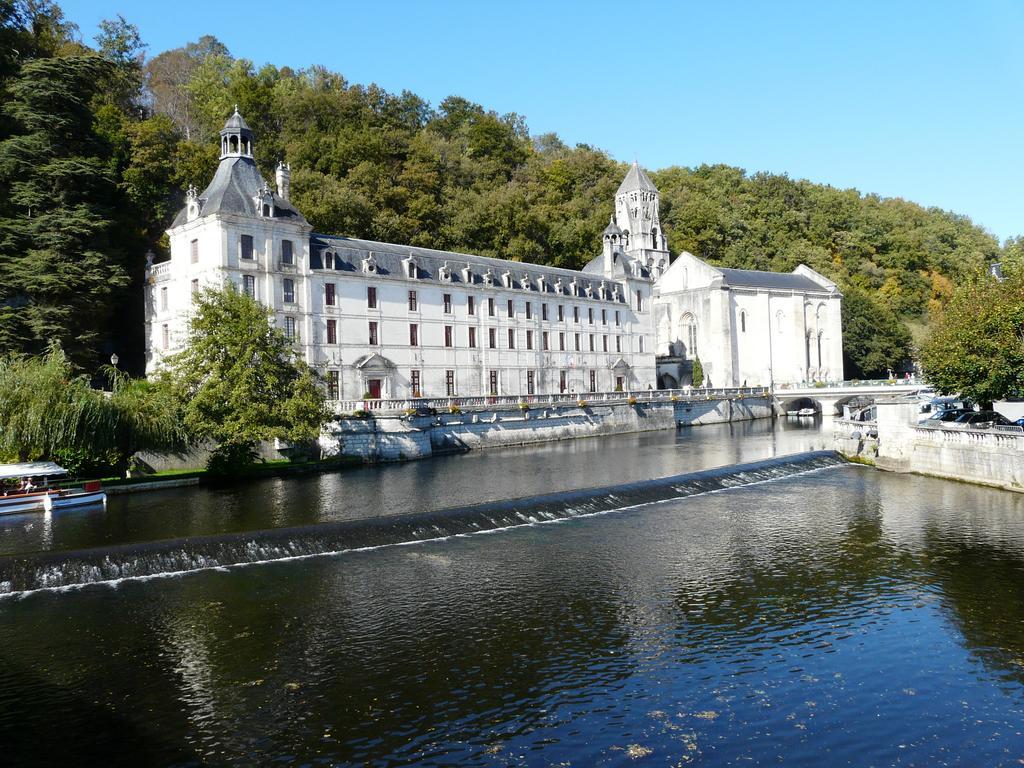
(23, 573)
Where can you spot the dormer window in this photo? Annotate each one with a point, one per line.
(524, 283)
(615, 293)
(467, 275)
(411, 268)
(489, 277)
(445, 273)
(264, 201)
(369, 265)
(193, 203)
(602, 290)
(558, 286)
(574, 288)
(588, 290)
(506, 279)
(542, 284)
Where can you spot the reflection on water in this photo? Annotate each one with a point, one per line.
(845, 617)
(416, 486)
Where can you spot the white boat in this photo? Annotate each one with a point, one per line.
(34, 493)
(806, 412)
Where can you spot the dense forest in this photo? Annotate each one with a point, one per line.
(98, 144)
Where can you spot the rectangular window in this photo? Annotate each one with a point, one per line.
(639, 301)
(289, 328)
(194, 251)
(616, 317)
(449, 336)
(472, 337)
(374, 339)
(289, 291)
(543, 311)
(332, 331)
(490, 307)
(604, 317)
(470, 305)
(412, 301)
(449, 383)
(414, 335)
(577, 341)
(195, 287)
(371, 297)
(590, 315)
(249, 286)
(511, 338)
(492, 338)
(511, 309)
(165, 336)
(544, 340)
(591, 342)
(575, 314)
(163, 298)
(529, 339)
(493, 382)
(447, 303)
(330, 295)
(641, 345)
(287, 255)
(414, 380)
(529, 311)
(561, 341)
(530, 387)
(246, 247)
(561, 313)
(334, 385)
(563, 381)
(604, 343)
(618, 343)
(593, 381)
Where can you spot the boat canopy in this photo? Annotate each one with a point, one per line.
(31, 469)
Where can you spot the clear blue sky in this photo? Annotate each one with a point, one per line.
(920, 100)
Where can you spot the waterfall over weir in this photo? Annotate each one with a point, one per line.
(53, 570)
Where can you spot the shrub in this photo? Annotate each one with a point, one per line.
(524, 406)
(632, 400)
(454, 410)
(361, 414)
(583, 403)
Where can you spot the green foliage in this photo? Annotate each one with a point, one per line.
(977, 347)
(48, 412)
(697, 376)
(56, 271)
(239, 381)
(874, 339)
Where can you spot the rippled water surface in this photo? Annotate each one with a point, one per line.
(840, 617)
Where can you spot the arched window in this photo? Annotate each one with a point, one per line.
(821, 336)
(688, 332)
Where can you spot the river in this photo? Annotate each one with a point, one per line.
(834, 614)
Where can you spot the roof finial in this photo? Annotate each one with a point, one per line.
(236, 108)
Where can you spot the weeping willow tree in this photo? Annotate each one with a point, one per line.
(50, 412)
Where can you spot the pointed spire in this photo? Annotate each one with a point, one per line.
(636, 180)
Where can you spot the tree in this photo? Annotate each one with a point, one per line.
(697, 375)
(240, 382)
(976, 348)
(57, 264)
(48, 411)
(875, 341)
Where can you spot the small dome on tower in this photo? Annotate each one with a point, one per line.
(612, 228)
(236, 122)
(236, 137)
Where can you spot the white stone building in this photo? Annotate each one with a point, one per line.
(400, 321)
(748, 328)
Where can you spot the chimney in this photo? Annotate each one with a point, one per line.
(284, 180)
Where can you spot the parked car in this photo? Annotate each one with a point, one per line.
(982, 419)
(950, 414)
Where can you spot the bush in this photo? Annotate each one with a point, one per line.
(583, 403)
(361, 414)
(231, 458)
(524, 406)
(454, 410)
(632, 400)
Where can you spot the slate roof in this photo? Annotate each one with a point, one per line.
(622, 266)
(752, 278)
(349, 252)
(234, 185)
(636, 179)
(236, 123)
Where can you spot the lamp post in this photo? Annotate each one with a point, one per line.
(113, 359)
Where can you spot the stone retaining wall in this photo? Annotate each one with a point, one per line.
(391, 438)
(976, 456)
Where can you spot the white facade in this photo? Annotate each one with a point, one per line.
(399, 321)
(748, 328)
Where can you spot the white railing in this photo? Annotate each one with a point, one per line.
(853, 384)
(483, 402)
(161, 271)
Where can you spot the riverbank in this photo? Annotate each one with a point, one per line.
(405, 438)
(896, 442)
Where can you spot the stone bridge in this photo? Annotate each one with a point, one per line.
(830, 398)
